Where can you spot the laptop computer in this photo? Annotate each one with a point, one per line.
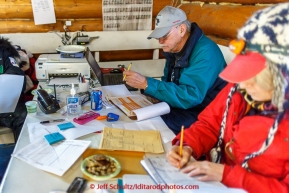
(105, 78)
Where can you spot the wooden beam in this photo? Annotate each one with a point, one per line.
(64, 9)
(28, 26)
(244, 2)
(219, 20)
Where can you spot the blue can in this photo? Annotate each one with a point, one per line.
(96, 100)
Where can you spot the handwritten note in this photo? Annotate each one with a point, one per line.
(130, 140)
(43, 12)
(150, 124)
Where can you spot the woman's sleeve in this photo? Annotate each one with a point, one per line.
(238, 177)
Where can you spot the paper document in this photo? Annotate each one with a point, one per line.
(56, 158)
(11, 87)
(139, 108)
(121, 139)
(43, 12)
(150, 124)
(164, 173)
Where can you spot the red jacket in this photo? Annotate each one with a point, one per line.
(269, 172)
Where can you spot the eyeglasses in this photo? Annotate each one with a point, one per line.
(165, 37)
(240, 47)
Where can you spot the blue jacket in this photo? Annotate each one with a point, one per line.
(196, 81)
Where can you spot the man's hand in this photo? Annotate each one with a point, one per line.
(174, 157)
(209, 171)
(135, 79)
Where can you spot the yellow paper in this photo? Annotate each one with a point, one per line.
(131, 140)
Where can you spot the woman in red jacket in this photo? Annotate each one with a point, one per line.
(245, 130)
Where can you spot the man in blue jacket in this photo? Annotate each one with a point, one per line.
(193, 63)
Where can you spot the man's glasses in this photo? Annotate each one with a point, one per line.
(165, 37)
(240, 47)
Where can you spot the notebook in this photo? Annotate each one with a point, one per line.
(105, 78)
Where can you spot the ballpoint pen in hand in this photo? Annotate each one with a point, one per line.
(127, 69)
(181, 144)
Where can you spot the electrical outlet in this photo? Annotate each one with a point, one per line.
(68, 23)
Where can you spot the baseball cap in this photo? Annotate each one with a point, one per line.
(166, 18)
(243, 67)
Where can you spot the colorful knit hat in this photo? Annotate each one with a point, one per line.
(266, 32)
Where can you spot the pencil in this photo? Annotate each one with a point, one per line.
(127, 69)
(181, 143)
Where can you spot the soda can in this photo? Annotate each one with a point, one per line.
(96, 100)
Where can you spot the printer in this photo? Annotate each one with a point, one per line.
(52, 65)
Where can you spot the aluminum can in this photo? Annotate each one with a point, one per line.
(96, 100)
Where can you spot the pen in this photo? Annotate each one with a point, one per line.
(127, 69)
(51, 121)
(181, 143)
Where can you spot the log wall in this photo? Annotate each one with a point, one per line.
(219, 19)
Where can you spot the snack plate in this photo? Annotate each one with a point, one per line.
(100, 178)
(48, 90)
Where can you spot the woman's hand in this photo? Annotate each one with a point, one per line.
(209, 171)
(135, 79)
(175, 159)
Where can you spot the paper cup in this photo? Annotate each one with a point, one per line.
(31, 107)
(83, 87)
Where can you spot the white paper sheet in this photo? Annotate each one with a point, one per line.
(63, 81)
(37, 130)
(11, 87)
(152, 111)
(43, 12)
(56, 159)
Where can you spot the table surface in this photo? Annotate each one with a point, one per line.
(22, 177)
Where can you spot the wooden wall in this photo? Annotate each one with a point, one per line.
(219, 20)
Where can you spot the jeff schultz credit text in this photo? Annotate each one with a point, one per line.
(142, 186)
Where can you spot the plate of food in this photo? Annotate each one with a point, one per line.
(100, 167)
(48, 90)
